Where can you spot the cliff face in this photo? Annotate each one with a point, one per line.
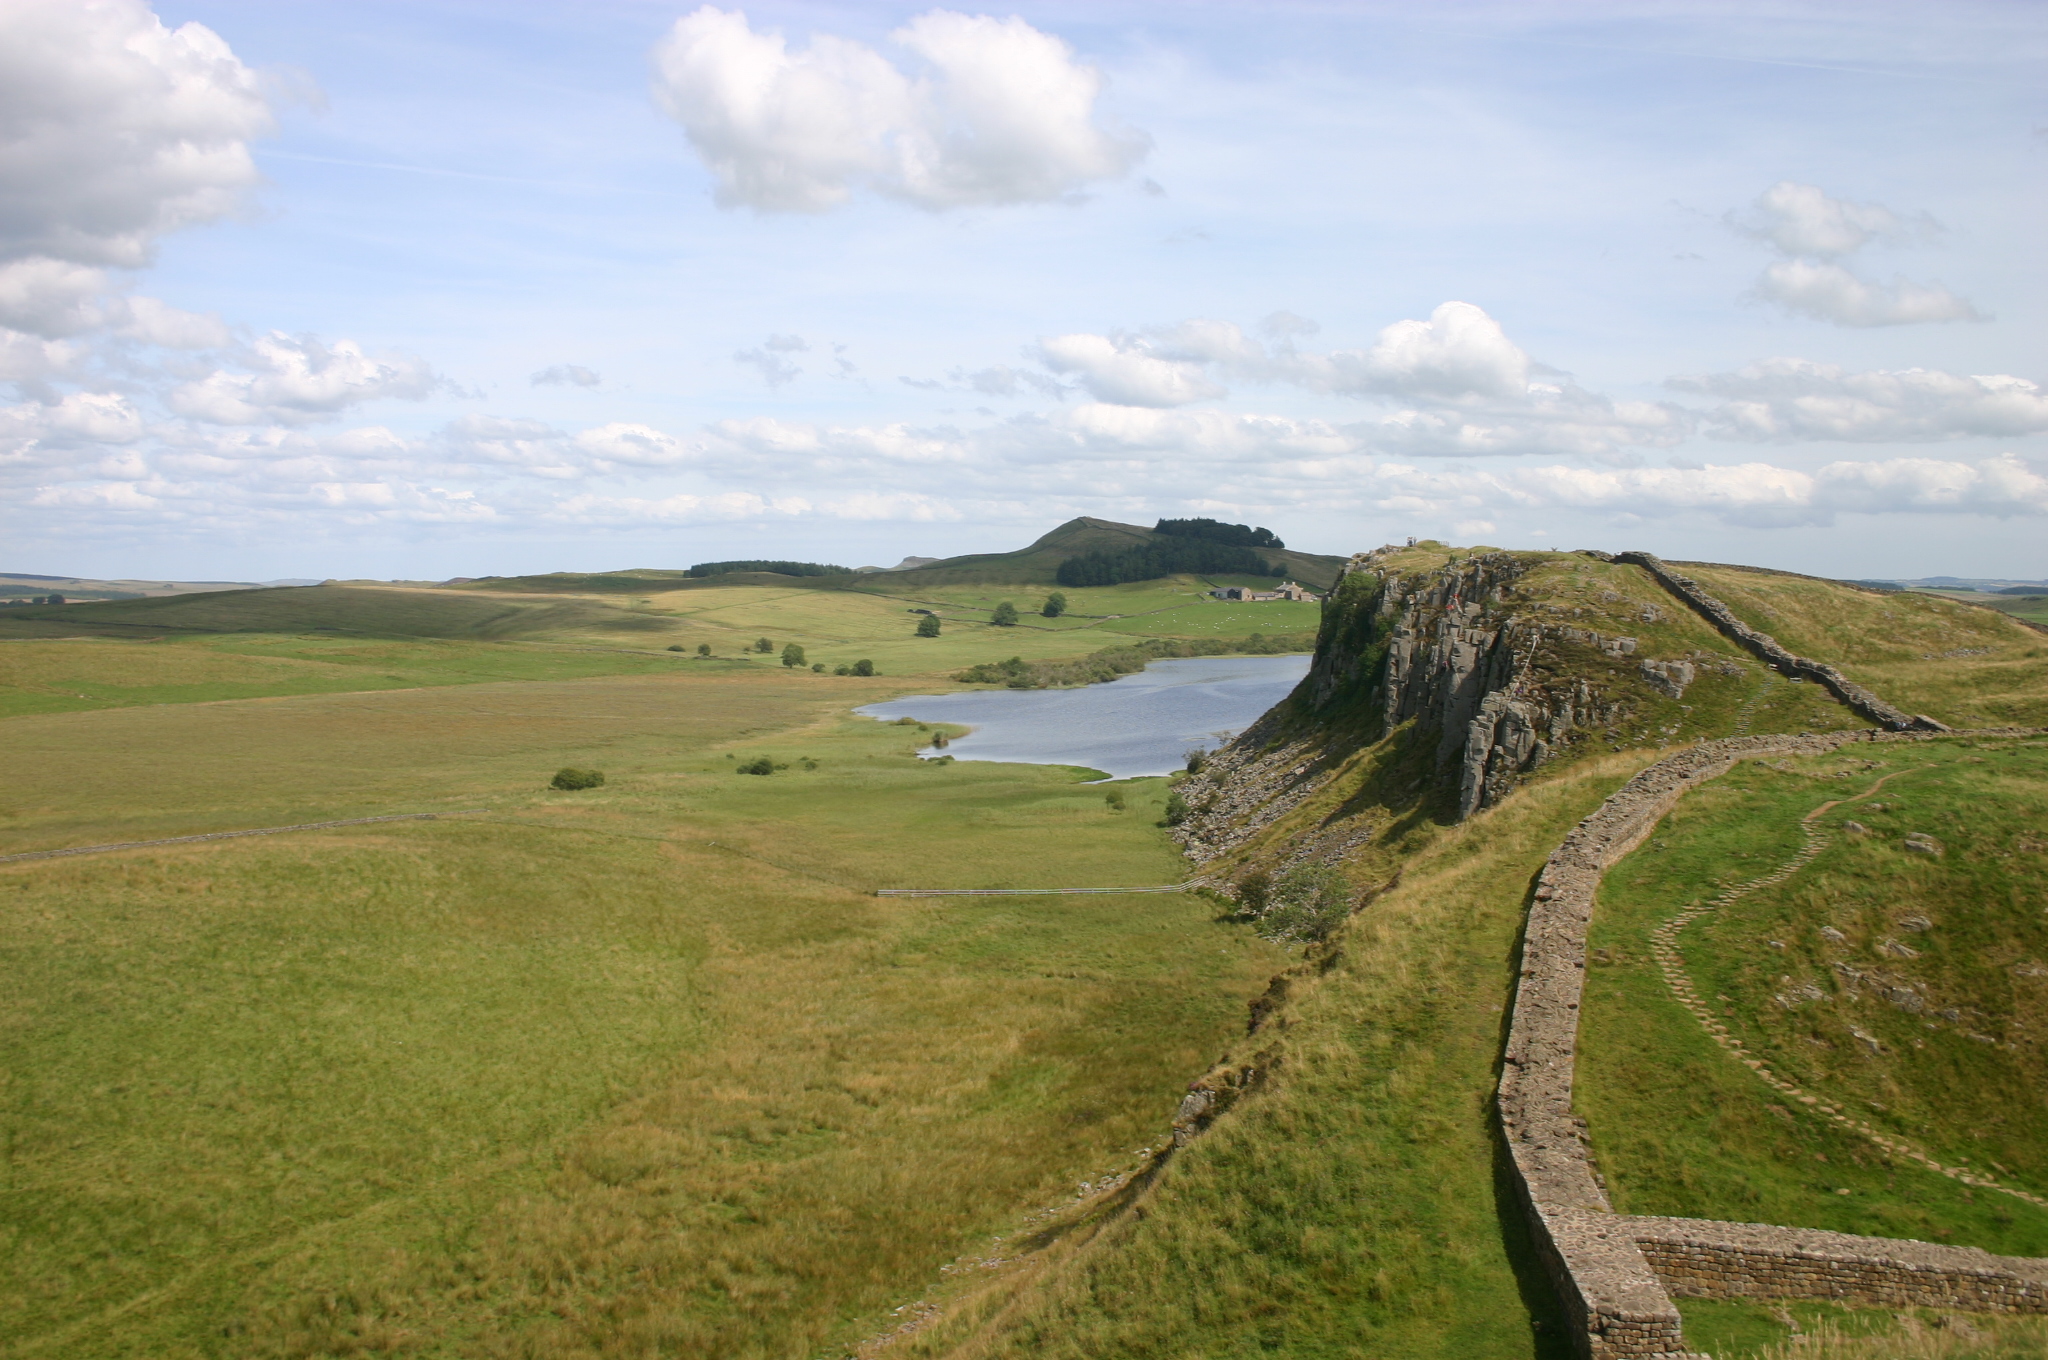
(1441, 680)
(1463, 654)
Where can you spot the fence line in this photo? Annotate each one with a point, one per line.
(230, 835)
(1017, 892)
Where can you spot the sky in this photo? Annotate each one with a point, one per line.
(436, 288)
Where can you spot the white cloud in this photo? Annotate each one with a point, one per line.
(565, 375)
(1780, 400)
(51, 298)
(634, 445)
(1814, 231)
(155, 322)
(1800, 219)
(1828, 292)
(1000, 113)
(301, 380)
(1460, 353)
(115, 129)
(769, 358)
(1128, 371)
(35, 436)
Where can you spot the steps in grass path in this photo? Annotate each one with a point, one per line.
(1616, 1274)
(1671, 963)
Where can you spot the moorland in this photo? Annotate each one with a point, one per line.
(648, 1069)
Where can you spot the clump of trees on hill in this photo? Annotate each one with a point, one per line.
(779, 568)
(1216, 531)
(1164, 557)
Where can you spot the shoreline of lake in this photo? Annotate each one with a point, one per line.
(1140, 724)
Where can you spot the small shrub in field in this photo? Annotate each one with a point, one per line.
(1255, 892)
(1307, 904)
(675, 647)
(1176, 809)
(863, 667)
(1115, 799)
(928, 626)
(842, 670)
(761, 766)
(571, 778)
(703, 649)
(1055, 605)
(818, 667)
(763, 645)
(1005, 615)
(793, 656)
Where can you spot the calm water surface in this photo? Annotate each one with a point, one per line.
(1141, 724)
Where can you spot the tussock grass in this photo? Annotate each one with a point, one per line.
(640, 1070)
(1682, 1128)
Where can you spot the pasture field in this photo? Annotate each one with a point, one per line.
(336, 639)
(640, 1070)
(1911, 989)
(1964, 665)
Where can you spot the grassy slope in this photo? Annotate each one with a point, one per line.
(641, 1068)
(1682, 1128)
(1349, 1207)
(1968, 667)
(1352, 1207)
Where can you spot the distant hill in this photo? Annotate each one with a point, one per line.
(1036, 564)
(1039, 563)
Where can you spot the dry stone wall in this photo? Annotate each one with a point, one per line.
(1767, 649)
(1616, 1273)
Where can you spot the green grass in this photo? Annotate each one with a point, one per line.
(1354, 1205)
(643, 1068)
(1680, 1127)
(1966, 666)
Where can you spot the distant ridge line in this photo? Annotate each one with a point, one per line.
(230, 835)
(1018, 892)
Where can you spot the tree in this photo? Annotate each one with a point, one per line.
(56, 599)
(570, 778)
(703, 649)
(793, 656)
(1176, 809)
(928, 626)
(763, 645)
(1308, 903)
(1055, 605)
(675, 646)
(863, 667)
(1005, 615)
(818, 667)
(1115, 799)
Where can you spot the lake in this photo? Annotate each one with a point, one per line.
(1137, 725)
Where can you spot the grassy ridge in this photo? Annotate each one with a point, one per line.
(643, 1068)
(1967, 666)
(1682, 1128)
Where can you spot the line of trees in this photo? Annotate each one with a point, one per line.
(1164, 557)
(1216, 531)
(779, 568)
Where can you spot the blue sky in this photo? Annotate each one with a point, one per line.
(416, 290)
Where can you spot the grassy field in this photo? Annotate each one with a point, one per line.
(2032, 608)
(1968, 667)
(1909, 988)
(337, 639)
(640, 1070)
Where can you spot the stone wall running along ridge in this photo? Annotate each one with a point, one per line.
(1768, 650)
